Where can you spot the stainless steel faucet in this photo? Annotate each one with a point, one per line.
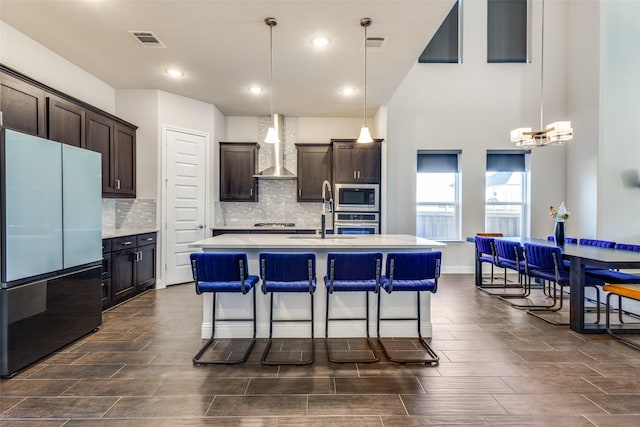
(325, 185)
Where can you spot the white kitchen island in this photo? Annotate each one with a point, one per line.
(292, 306)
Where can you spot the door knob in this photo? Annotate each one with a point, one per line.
(201, 226)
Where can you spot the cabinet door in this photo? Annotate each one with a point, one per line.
(344, 162)
(106, 293)
(100, 138)
(125, 161)
(123, 279)
(66, 122)
(22, 106)
(146, 267)
(314, 167)
(368, 163)
(237, 167)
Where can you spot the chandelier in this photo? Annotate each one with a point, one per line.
(556, 133)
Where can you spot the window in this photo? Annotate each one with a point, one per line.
(507, 29)
(444, 47)
(506, 193)
(438, 195)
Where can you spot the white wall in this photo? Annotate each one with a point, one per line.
(32, 59)
(472, 106)
(619, 149)
(584, 104)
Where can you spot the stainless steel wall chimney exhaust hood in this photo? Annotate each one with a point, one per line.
(277, 169)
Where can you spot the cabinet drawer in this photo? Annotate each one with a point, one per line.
(146, 239)
(106, 246)
(120, 243)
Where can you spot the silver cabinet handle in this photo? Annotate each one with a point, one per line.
(139, 255)
(127, 243)
(251, 192)
(354, 174)
(299, 192)
(358, 174)
(148, 239)
(117, 184)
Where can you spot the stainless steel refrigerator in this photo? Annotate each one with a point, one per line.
(51, 247)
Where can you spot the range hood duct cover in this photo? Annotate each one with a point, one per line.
(277, 169)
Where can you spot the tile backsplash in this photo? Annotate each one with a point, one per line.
(128, 213)
(277, 201)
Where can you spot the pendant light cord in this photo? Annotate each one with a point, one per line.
(271, 22)
(542, 70)
(364, 112)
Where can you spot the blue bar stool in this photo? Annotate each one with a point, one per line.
(226, 273)
(294, 272)
(352, 272)
(411, 272)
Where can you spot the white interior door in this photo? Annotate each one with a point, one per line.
(185, 200)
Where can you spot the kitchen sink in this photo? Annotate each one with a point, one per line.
(315, 236)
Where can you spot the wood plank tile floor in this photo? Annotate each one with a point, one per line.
(499, 367)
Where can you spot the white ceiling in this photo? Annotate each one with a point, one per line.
(223, 47)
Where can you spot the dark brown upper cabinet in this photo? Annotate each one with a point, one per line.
(22, 106)
(238, 164)
(100, 138)
(314, 167)
(66, 122)
(125, 161)
(356, 163)
(29, 106)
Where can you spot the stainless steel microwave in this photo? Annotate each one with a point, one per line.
(357, 198)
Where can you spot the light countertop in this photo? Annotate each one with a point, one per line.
(303, 241)
(120, 232)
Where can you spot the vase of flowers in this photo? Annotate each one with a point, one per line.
(560, 215)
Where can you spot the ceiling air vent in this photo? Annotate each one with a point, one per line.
(376, 42)
(147, 39)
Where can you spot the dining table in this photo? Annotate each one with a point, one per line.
(579, 256)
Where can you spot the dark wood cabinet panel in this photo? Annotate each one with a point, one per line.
(22, 106)
(344, 162)
(356, 163)
(125, 161)
(146, 267)
(66, 122)
(100, 138)
(123, 278)
(238, 161)
(368, 162)
(132, 267)
(314, 167)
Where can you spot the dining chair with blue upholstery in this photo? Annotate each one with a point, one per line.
(616, 276)
(598, 243)
(352, 272)
(223, 273)
(544, 262)
(410, 272)
(509, 256)
(288, 273)
(486, 254)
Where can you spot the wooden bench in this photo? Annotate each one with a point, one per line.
(624, 291)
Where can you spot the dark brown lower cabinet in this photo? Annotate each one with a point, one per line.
(132, 262)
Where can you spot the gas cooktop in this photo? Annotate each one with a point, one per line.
(275, 224)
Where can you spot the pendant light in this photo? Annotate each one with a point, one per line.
(272, 133)
(555, 133)
(365, 135)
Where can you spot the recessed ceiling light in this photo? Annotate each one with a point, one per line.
(256, 90)
(348, 90)
(320, 41)
(175, 73)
